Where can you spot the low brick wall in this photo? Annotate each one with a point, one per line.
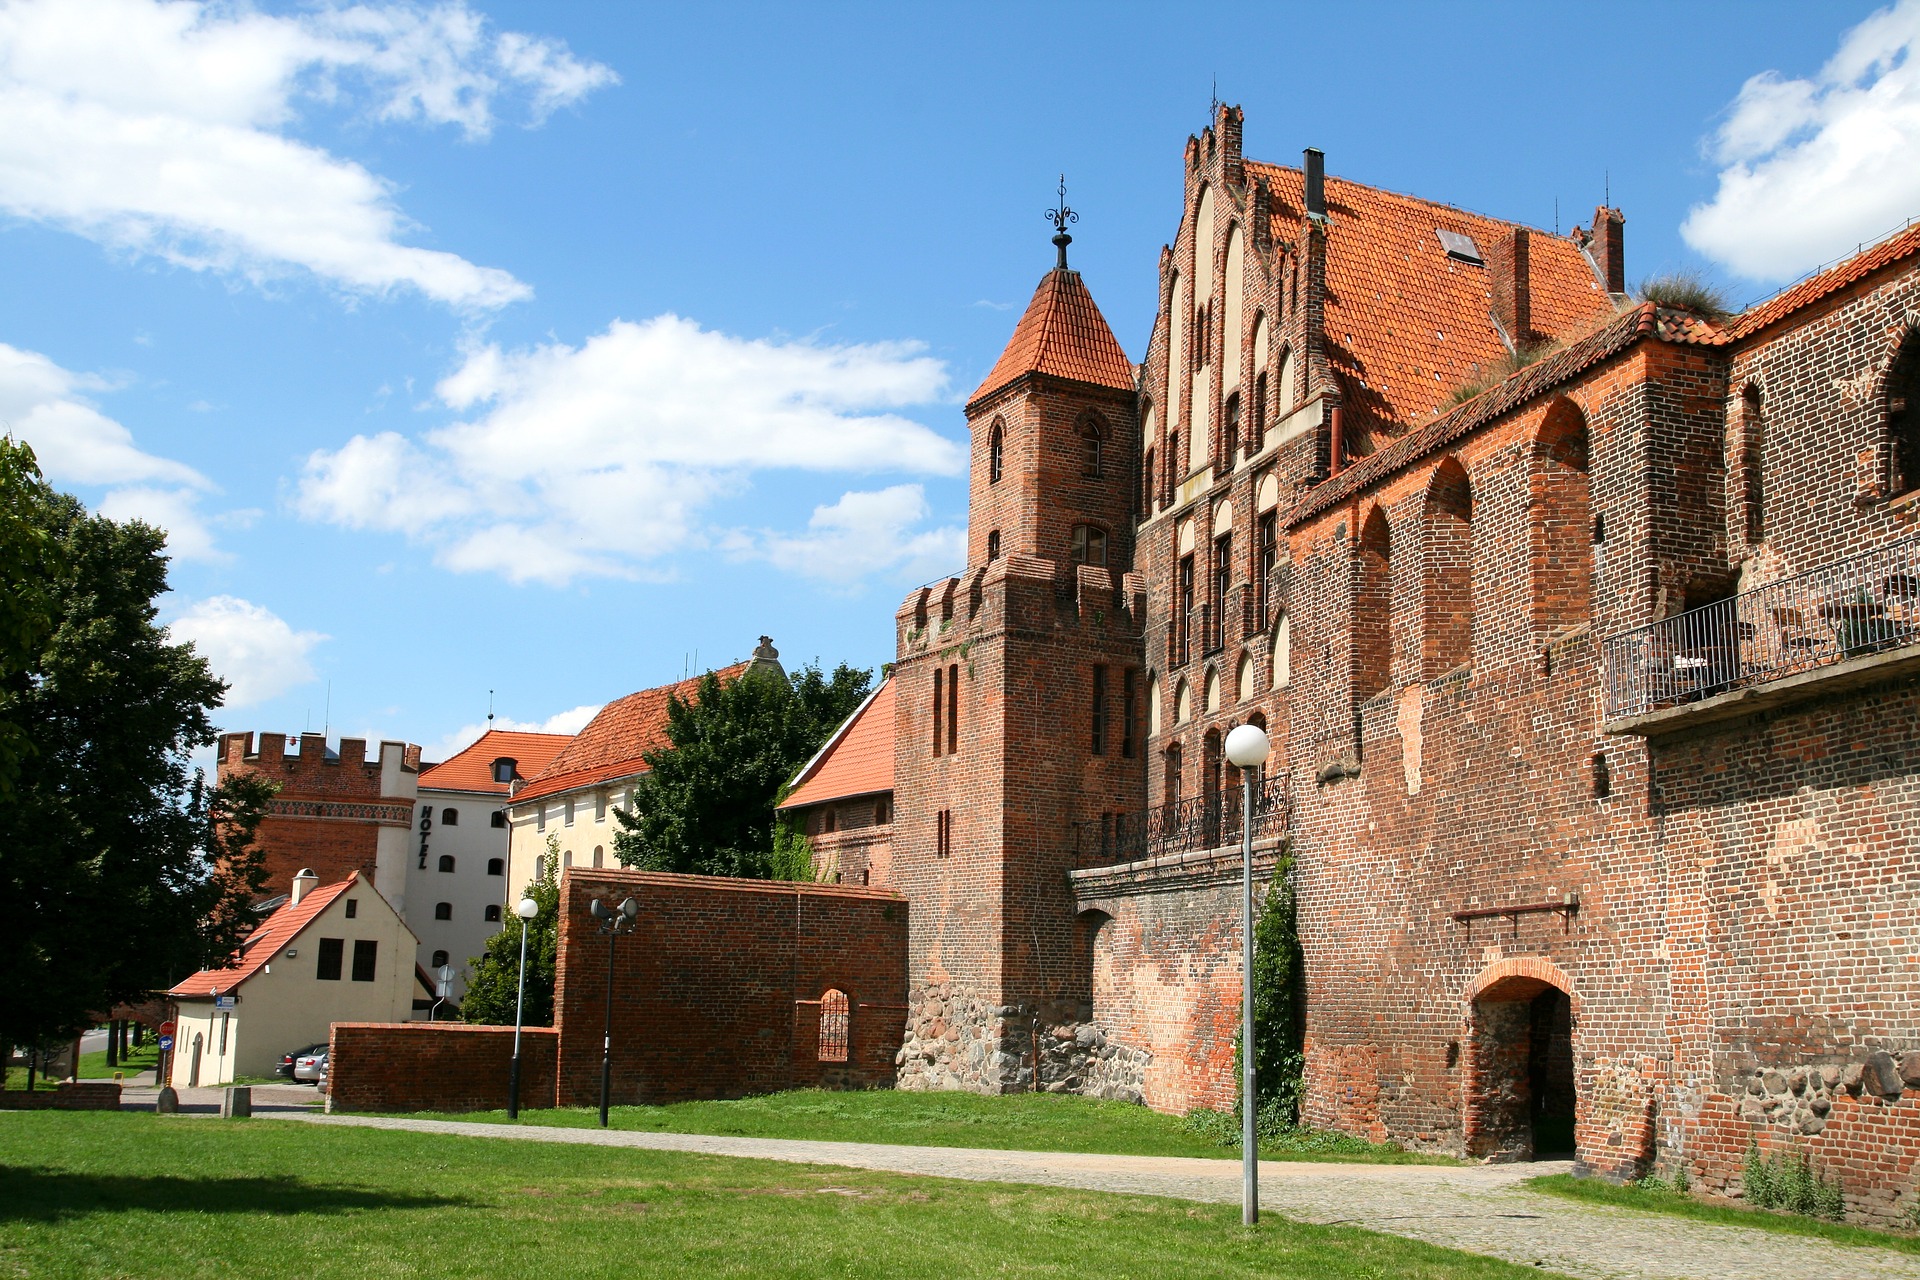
(91, 1095)
(435, 1066)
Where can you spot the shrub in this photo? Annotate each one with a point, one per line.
(1787, 1180)
(1685, 291)
(1487, 376)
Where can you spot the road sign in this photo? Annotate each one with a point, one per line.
(166, 1028)
(166, 1043)
(223, 1002)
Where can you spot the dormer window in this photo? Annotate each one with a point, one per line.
(1089, 544)
(504, 768)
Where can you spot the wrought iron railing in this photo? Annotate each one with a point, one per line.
(1200, 822)
(1864, 604)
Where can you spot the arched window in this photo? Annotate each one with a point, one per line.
(1230, 429)
(1091, 439)
(446, 862)
(493, 913)
(449, 817)
(1211, 691)
(1903, 413)
(439, 958)
(599, 854)
(1373, 608)
(1751, 472)
(1089, 544)
(1245, 680)
(1174, 780)
(496, 866)
(1146, 482)
(1561, 533)
(1182, 704)
(1153, 706)
(993, 545)
(833, 1026)
(1283, 389)
(443, 911)
(1448, 625)
(1282, 652)
(1257, 438)
(996, 453)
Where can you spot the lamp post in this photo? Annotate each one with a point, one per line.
(526, 909)
(1246, 749)
(613, 923)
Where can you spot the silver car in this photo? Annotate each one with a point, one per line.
(309, 1067)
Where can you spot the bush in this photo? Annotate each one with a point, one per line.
(1787, 1180)
(1486, 377)
(1685, 291)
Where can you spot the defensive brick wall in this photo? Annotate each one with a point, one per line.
(329, 810)
(435, 1066)
(717, 991)
(69, 1096)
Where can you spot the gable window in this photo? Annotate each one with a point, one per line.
(446, 862)
(332, 951)
(833, 1027)
(353, 907)
(449, 817)
(504, 768)
(996, 453)
(365, 952)
(443, 911)
(1089, 544)
(493, 913)
(496, 866)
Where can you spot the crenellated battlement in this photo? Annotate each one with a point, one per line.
(304, 764)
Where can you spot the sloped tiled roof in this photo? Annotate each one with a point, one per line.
(856, 761)
(472, 768)
(615, 741)
(1406, 323)
(1062, 334)
(1834, 278)
(266, 942)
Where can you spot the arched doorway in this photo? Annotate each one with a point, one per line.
(1519, 1093)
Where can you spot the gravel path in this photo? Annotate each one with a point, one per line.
(1482, 1209)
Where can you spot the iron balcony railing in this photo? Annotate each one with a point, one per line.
(1200, 822)
(1864, 604)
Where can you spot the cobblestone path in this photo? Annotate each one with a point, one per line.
(1481, 1209)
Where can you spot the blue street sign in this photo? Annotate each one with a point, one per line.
(166, 1043)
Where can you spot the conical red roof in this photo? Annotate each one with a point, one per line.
(1062, 334)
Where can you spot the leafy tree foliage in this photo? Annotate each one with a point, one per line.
(496, 971)
(1279, 1000)
(706, 803)
(119, 874)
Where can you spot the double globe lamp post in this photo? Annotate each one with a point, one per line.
(1246, 749)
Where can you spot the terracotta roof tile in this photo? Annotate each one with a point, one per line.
(615, 742)
(472, 768)
(266, 942)
(1839, 276)
(1062, 334)
(856, 761)
(1406, 323)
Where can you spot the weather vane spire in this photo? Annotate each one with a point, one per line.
(1060, 216)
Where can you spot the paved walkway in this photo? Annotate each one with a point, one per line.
(1482, 1208)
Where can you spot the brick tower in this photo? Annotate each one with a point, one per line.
(1019, 722)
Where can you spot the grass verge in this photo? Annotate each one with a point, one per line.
(132, 1194)
(1662, 1199)
(1008, 1122)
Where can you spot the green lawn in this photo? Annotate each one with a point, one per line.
(1009, 1122)
(1662, 1199)
(103, 1194)
(93, 1066)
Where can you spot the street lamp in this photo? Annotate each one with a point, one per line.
(613, 923)
(526, 909)
(1247, 749)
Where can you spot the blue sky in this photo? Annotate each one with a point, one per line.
(553, 348)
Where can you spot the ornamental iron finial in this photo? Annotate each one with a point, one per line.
(1060, 216)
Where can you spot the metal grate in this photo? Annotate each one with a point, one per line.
(1200, 822)
(833, 1027)
(1862, 605)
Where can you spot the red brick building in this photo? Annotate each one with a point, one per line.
(1586, 631)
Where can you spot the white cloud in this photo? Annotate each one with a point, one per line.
(161, 127)
(48, 407)
(863, 534)
(1814, 167)
(572, 720)
(601, 459)
(249, 646)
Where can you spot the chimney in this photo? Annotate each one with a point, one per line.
(1609, 249)
(1508, 275)
(1227, 124)
(303, 882)
(1316, 167)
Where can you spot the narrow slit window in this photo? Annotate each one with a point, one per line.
(953, 709)
(833, 1026)
(939, 707)
(1099, 743)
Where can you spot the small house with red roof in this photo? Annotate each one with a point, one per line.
(330, 953)
(843, 797)
(574, 798)
(458, 891)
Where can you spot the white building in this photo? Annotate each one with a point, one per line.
(458, 889)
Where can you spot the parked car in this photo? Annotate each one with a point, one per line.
(285, 1069)
(309, 1067)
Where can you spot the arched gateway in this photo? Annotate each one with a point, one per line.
(1519, 1094)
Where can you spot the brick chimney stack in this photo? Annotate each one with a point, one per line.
(1609, 248)
(1509, 276)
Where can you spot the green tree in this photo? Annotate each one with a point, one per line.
(496, 971)
(25, 615)
(706, 802)
(119, 873)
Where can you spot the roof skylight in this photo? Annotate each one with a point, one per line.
(1459, 247)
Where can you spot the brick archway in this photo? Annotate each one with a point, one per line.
(1519, 1093)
